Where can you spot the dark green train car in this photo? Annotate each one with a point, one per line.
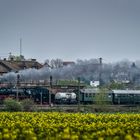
(126, 96)
(92, 95)
(87, 95)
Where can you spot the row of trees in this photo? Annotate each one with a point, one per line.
(54, 63)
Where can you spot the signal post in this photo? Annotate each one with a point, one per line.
(50, 91)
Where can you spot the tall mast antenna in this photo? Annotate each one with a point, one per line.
(20, 46)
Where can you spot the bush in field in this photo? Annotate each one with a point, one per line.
(102, 97)
(12, 105)
(28, 105)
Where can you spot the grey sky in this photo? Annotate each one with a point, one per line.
(71, 29)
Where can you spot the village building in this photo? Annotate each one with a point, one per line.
(12, 65)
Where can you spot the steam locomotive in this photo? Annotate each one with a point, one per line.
(37, 94)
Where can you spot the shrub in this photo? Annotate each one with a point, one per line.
(28, 105)
(12, 105)
(101, 97)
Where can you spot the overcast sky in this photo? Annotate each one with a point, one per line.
(71, 29)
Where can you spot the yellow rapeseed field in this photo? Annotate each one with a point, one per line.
(69, 126)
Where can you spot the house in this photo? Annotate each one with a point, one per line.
(13, 65)
(57, 63)
(66, 63)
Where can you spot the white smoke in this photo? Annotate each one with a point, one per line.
(86, 69)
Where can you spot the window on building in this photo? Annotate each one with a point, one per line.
(86, 94)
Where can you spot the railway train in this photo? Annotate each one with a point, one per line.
(92, 96)
(128, 97)
(87, 95)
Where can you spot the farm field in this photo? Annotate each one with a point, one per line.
(68, 126)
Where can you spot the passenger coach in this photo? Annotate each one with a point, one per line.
(126, 96)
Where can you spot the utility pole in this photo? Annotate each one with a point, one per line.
(78, 93)
(100, 71)
(17, 86)
(40, 98)
(50, 91)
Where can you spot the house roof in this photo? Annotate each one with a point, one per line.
(65, 63)
(3, 69)
(126, 91)
(8, 66)
(89, 90)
